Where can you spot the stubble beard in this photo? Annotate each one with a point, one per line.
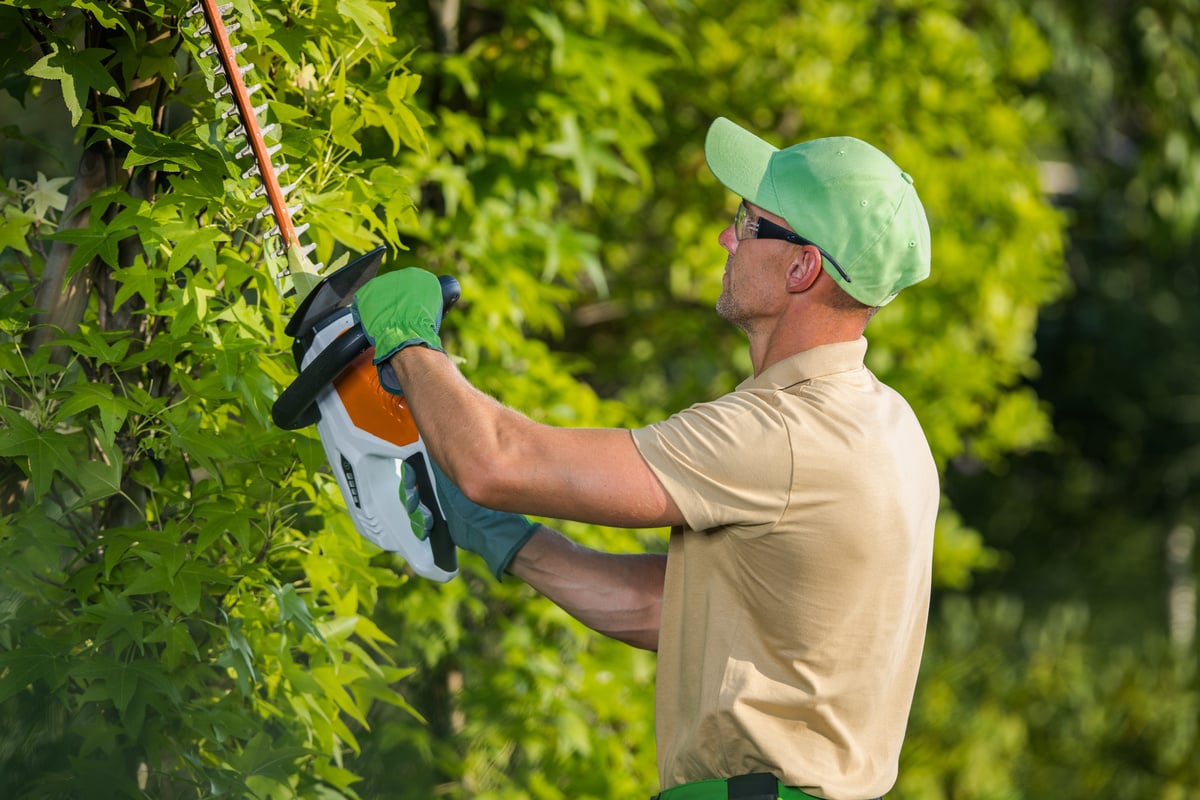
(727, 307)
(724, 306)
(729, 310)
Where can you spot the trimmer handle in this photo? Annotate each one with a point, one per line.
(296, 406)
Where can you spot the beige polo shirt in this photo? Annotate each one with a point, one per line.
(796, 597)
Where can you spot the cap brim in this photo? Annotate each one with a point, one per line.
(739, 160)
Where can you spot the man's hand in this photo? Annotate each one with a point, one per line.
(495, 535)
(399, 309)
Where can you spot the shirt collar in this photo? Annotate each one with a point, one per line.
(818, 362)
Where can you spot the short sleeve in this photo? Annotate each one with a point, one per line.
(724, 463)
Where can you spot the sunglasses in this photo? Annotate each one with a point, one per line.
(748, 227)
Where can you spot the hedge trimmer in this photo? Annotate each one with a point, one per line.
(368, 434)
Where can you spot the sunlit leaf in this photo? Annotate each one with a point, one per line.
(80, 72)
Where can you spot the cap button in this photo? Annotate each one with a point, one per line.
(906, 176)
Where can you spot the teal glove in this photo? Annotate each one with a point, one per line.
(399, 309)
(495, 535)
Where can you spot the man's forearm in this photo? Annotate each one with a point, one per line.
(529, 468)
(504, 460)
(617, 595)
(458, 423)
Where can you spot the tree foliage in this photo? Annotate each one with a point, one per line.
(185, 611)
(1090, 520)
(1014, 704)
(1099, 529)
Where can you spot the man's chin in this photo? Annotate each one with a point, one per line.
(724, 307)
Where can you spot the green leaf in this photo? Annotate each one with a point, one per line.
(185, 591)
(233, 520)
(82, 397)
(262, 758)
(293, 608)
(151, 581)
(105, 347)
(80, 72)
(183, 583)
(239, 655)
(98, 479)
(199, 243)
(15, 225)
(188, 584)
(104, 13)
(369, 16)
(179, 646)
(95, 240)
(151, 147)
(137, 279)
(173, 558)
(411, 131)
(344, 122)
(44, 195)
(36, 660)
(46, 452)
(116, 546)
(120, 679)
(333, 683)
(115, 615)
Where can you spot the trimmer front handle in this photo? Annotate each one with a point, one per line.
(296, 406)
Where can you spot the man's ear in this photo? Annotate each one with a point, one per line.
(804, 269)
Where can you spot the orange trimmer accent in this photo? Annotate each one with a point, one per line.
(371, 407)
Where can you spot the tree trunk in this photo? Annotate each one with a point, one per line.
(1181, 586)
(62, 299)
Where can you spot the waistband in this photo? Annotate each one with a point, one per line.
(756, 786)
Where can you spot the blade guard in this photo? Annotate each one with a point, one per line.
(370, 439)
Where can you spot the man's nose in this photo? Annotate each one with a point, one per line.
(728, 239)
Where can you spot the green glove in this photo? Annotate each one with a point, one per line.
(399, 309)
(495, 535)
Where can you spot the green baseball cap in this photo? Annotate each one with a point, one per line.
(840, 193)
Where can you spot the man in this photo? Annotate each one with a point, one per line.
(789, 613)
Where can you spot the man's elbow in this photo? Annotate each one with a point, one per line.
(642, 639)
(501, 467)
(490, 482)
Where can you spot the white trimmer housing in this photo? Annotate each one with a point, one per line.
(373, 445)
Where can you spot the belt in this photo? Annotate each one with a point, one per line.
(757, 786)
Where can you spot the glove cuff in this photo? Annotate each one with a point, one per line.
(387, 375)
(501, 564)
(386, 347)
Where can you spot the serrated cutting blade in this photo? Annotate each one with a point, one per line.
(303, 273)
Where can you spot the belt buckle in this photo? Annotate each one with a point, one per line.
(755, 786)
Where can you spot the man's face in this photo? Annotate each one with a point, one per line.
(753, 284)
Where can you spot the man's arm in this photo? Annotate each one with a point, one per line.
(617, 595)
(504, 460)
